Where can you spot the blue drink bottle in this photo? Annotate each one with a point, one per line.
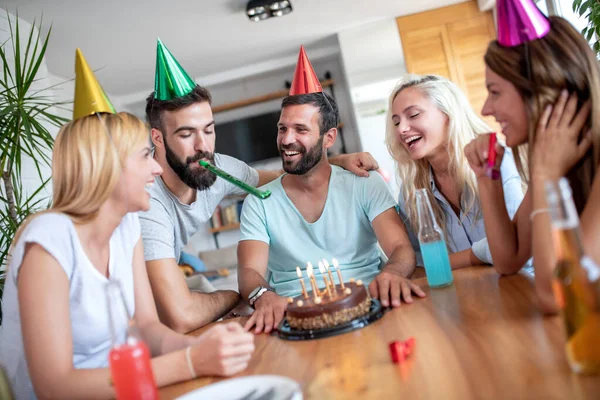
(433, 245)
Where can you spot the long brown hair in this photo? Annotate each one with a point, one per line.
(539, 70)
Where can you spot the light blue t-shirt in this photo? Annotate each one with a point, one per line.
(343, 230)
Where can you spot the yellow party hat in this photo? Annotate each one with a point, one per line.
(89, 96)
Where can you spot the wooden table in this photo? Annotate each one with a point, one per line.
(481, 338)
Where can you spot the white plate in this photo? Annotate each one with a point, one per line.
(242, 388)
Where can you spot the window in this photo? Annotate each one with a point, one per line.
(543, 6)
(564, 8)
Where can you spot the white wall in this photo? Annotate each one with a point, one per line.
(373, 60)
(486, 5)
(44, 80)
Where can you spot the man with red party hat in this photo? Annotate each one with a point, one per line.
(184, 198)
(305, 80)
(318, 211)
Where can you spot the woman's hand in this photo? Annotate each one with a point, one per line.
(477, 151)
(557, 147)
(223, 350)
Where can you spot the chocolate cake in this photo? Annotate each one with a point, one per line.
(343, 306)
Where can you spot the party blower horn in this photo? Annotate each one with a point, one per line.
(171, 82)
(261, 194)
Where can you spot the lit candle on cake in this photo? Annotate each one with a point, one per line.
(313, 282)
(304, 293)
(322, 271)
(330, 275)
(336, 265)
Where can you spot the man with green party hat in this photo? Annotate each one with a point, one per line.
(184, 198)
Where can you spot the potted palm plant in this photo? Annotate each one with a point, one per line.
(591, 10)
(26, 114)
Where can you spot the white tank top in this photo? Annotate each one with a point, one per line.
(90, 327)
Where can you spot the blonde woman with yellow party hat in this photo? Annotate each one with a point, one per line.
(56, 336)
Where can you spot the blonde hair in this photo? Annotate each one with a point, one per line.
(539, 70)
(463, 126)
(87, 162)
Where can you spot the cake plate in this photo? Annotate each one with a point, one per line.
(286, 332)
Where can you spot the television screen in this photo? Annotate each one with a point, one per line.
(249, 139)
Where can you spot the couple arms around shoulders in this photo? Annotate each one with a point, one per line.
(169, 224)
(341, 217)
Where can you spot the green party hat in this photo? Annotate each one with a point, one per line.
(171, 80)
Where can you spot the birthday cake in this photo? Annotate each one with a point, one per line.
(329, 308)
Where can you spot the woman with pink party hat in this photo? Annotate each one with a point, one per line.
(542, 79)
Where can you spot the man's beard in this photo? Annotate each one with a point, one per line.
(309, 158)
(199, 179)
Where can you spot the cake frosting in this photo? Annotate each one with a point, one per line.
(327, 312)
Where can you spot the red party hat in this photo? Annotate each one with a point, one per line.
(305, 80)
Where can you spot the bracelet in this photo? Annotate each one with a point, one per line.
(538, 211)
(189, 362)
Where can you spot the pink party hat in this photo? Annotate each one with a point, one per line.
(520, 21)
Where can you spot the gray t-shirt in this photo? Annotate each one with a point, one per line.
(169, 224)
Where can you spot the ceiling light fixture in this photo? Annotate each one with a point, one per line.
(258, 10)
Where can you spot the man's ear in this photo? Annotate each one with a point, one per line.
(157, 137)
(330, 137)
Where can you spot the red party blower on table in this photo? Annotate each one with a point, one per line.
(491, 171)
(129, 359)
(400, 350)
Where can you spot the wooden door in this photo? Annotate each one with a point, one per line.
(469, 41)
(451, 42)
(429, 51)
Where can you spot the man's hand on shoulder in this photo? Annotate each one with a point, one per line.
(268, 313)
(358, 163)
(390, 286)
